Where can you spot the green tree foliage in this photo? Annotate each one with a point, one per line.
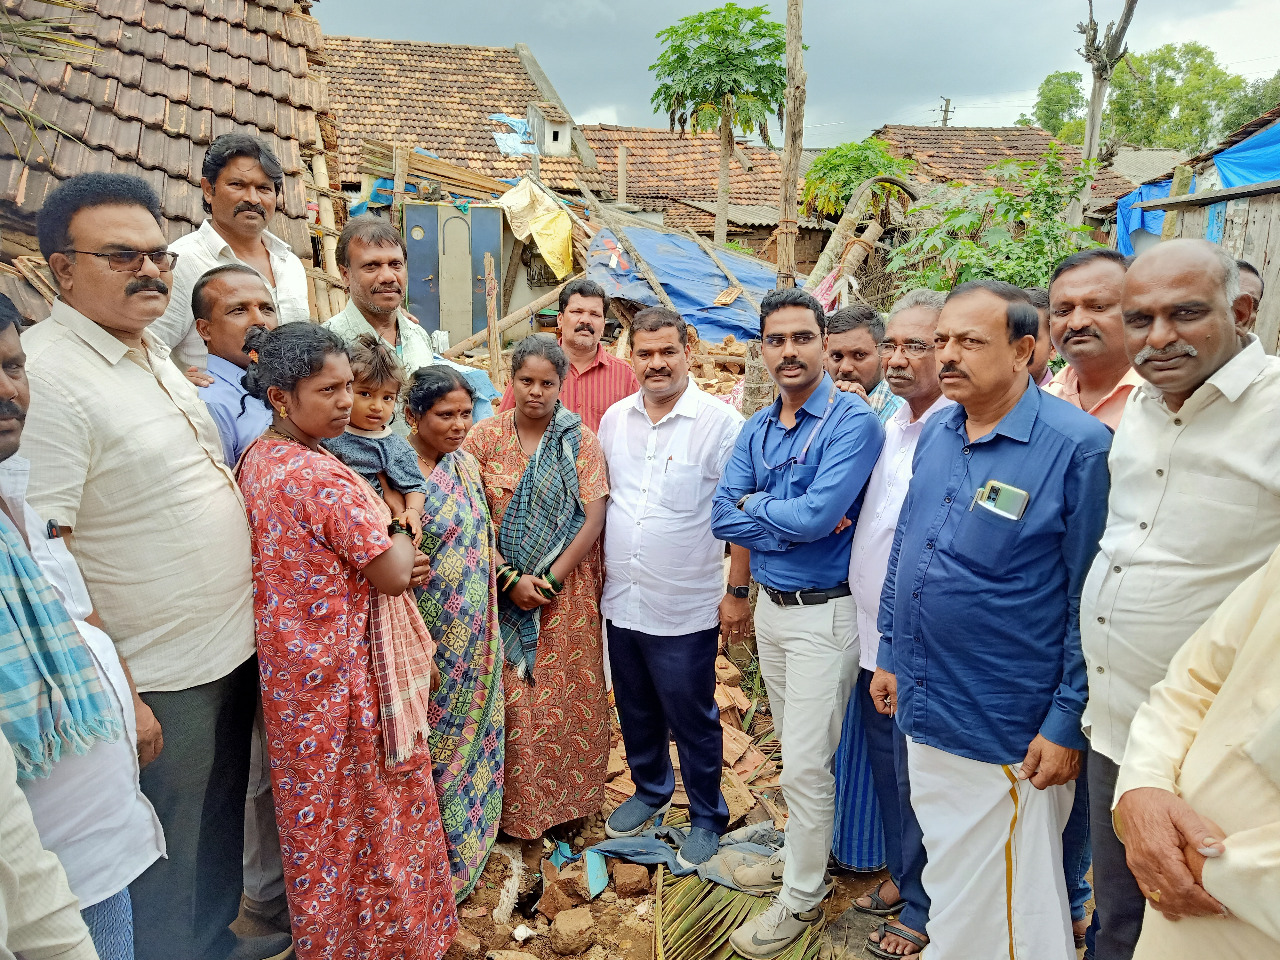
(1059, 99)
(731, 56)
(720, 69)
(1256, 99)
(1173, 96)
(836, 173)
(1014, 231)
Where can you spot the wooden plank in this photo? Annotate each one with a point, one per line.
(509, 275)
(1237, 221)
(491, 315)
(1206, 197)
(1261, 213)
(728, 274)
(510, 320)
(1194, 221)
(1268, 327)
(1181, 185)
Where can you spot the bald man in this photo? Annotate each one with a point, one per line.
(1194, 510)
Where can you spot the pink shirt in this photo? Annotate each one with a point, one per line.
(1066, 385)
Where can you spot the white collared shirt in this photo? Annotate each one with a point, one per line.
(201, 251)
(124, 453)
(1194, 510)
(878, 519)
(664, 570)
(90, 810)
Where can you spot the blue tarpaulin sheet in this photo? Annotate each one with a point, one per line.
(1255, 160)
(689, 277)
(1128, 219)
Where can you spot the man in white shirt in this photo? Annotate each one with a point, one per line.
(127, 467)
(1194, 509)
(373, 259)
(906, 350)
(89, 809)
(242, 181)
(665, 603)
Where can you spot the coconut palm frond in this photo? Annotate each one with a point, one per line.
(23, 43)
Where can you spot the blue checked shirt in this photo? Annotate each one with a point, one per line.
(980, 615)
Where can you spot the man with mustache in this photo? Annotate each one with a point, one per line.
(373, 259)
(665, 605)
(242, 181)
(127, 469)
(597, 379)
(853, 337)
(1194, 510)
(906, 351)
(789, 494)
(980, 645)
(1088, 332)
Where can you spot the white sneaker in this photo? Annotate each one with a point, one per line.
(761, 877)
(773, 931)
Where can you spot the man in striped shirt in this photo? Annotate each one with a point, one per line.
(597, 379)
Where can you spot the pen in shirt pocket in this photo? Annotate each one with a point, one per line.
(54, 532)
(667, 464)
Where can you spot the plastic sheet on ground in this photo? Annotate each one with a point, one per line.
(754, 842)
(531, 213)
(690, 278)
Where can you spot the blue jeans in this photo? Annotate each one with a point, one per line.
(110, 924)
(1077, 855)
(666, 687)
(903, 841)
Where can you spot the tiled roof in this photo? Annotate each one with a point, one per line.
(749, 214)
(962, 154)
(665, 165)
(553, 112)
(1141, 164)
(437, 96)
(168, 76)
(1239, 135)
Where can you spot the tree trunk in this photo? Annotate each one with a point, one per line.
(788, 225)
(722, 188)
(848, 226)
(1102, 59)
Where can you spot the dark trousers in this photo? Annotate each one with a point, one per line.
(183, 904)
(1118, 903)
(665, 687)
(903, 842)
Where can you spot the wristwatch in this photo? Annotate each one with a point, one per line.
(395, 526)
(740, 592)
(743, 501)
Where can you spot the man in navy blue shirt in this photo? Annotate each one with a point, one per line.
(980, 643)
(790, 493)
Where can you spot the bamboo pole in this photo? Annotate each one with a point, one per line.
(620, 235)
(491, 312)
(511, 320)
(788, 213)
(733, 281)
(509, 276)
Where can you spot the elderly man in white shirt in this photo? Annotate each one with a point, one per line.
(242, 180)
(1194, 510)
(906, 351)
(89, 809)
(664, 601)
(127, 468)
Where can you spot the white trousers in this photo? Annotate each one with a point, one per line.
(808, 659)
(994, 849)
(263, 869)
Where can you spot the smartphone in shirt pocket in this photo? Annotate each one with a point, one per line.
(990, 526)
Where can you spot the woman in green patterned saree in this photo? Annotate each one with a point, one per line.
(459, 603)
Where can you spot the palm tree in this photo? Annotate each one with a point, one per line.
(722, 68)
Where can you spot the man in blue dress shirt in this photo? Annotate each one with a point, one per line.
(226, 301)
(980, 642)
(790, 493)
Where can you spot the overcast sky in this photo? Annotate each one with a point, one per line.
(870, 62)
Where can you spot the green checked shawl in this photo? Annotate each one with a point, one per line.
(544, 516)
(51, 695)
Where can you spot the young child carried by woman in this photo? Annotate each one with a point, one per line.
(368, 445)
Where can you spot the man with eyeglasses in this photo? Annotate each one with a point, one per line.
(127, 469)
(980, 634)
(243, 181)
(906, 350)
(789, 494)
(852, 358)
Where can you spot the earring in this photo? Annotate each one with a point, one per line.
(283, 414)
(413, 429)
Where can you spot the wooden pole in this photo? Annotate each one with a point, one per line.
(622, 173)
(509, 276)
(788, 212)
(510, 320)
(400, 164)
(728, 274)
(491, 312)
(620, 235)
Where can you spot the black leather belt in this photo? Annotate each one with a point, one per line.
(806, 598)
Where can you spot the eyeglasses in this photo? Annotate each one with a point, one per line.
(130, 261)
(802, 339)
(912, 348)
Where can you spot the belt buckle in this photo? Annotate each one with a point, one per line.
(799, 599)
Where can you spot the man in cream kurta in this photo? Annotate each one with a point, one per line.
(126, 465)
(1194, 510)
(1204, 755)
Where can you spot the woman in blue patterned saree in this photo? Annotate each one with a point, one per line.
(459, 605)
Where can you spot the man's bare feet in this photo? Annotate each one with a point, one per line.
(895, 941)
(880, 901)
(1078, 929)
